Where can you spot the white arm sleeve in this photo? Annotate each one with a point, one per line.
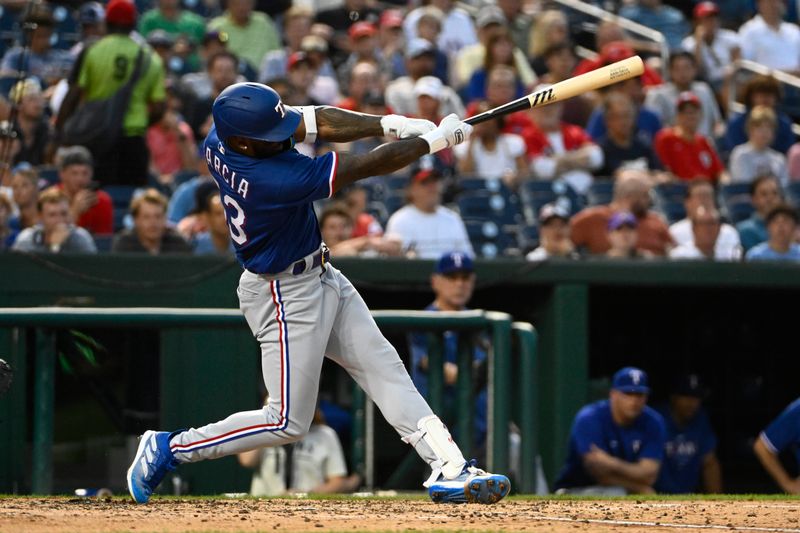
(310, 121)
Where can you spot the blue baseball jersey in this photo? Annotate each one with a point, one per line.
(593, 425)
(784, 432)
(684, 452)
(269, 202)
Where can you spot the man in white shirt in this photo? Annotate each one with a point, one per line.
(727, 247)
(714, 48)
(768, 40)
(705, 225)
(428, 229)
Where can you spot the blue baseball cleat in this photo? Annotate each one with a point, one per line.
(472, 486)
(152, 462)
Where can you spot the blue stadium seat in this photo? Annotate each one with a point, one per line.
(393, 203)
(600, 192)
(529, 237)
(488, 238)
(671, 192)
(378, 210)
(66, 32)
(484, 205)
(47, 174)
(793, 193)
(103, 242)
(121, 199)
(396, 183)
(738, 211)
(674, 211)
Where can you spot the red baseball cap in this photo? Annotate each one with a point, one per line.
(616, 51)
(121, 13)
(425, 174)
(361, 29)
(295, 58)
(705, 9)
(687, 97)
(392, 18)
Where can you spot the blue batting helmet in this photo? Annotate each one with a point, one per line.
(254, 111)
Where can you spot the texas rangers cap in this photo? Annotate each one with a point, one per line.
(452, 262)
(687, 97)
(361, 29)
(121, 12)
(689, 385)
(620, 219)
(705, 9)
(418, 47)
(631, 380)
(549, 212)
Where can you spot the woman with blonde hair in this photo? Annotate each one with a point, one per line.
(549, 29)
(499, 51)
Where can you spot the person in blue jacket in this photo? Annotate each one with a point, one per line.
(782, 434)
(690, 458)
(617, 445)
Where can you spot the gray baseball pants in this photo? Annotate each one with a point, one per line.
(299, 319)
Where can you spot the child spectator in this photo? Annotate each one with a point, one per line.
(700, 193)
(755, 158)
(781, 225)
(766, 195)
(90, 208)
(683, 150)
(355, 201)
(150, 233)
(622, 237)
(632, 190)
(554, 238)
(490, 154)
(760, 90)
(55, 233)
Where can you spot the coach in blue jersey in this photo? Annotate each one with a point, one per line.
(782, 434)
(616, 446)
(299, 307)
(690, 459)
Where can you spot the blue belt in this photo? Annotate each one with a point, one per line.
(319, 259)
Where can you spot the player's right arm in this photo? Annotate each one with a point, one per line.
(340, 125)
(395, 155)
(769, 460)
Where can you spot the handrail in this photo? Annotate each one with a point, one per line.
(757, 68)
(626, 24)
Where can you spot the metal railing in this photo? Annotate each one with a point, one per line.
(500, 383)
(626, 24)
(746, 66)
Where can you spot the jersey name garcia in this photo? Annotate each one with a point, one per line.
(269, 202)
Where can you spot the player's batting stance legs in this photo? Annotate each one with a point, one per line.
(298, 306)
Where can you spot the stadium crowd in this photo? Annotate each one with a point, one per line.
(661, 166)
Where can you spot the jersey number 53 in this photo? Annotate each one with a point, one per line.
(236, 220)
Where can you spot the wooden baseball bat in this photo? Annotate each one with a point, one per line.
(596, 79)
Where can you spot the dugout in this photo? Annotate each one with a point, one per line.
(733, 323)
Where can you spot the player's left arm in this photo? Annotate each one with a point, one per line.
(339, 125)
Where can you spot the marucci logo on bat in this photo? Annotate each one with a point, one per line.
(541, 97)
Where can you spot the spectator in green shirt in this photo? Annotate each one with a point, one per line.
(251, 34)
(169, 16)
(104, 69)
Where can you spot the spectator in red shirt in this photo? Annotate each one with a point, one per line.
(613, 52)
(355, 201)
(90, 208)
(558, 150)
(684, 151)
(589, 228)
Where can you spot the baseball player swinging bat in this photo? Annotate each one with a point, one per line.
(596, 79)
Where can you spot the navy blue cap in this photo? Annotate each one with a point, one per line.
(454, 262)
(631, 379)
(689, 385)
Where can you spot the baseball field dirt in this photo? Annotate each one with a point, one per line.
(62, 514)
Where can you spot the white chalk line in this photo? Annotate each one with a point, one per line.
(663, 524)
